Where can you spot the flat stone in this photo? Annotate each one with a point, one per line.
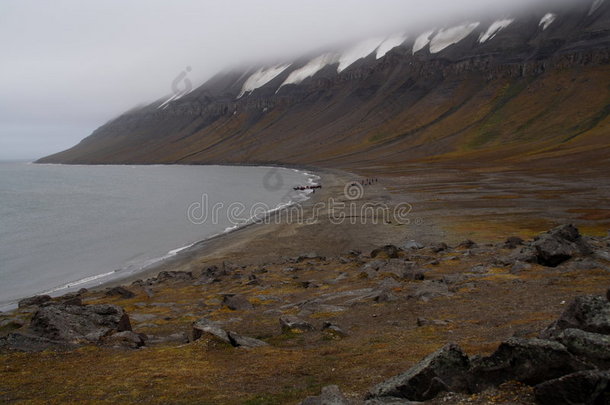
(290, 323)
(238, 340)
(204, 328)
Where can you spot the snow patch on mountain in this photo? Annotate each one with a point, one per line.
(596, 4)
(166, 102)
(262, 77)
(494, 28)
(311, 68)
(547, 20)
(450, 36)
(422, 40)
(173, 97)
(357, 52)
(389, 44)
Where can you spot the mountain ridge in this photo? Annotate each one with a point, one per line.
(410, 104)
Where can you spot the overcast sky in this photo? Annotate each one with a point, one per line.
(66, 67)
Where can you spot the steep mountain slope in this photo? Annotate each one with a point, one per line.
(515, 88)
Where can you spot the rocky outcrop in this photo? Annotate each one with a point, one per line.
(530, 361)
(560, 244)
(595, 347)
(570, 367)
(444, 370)
(63, 326)
(79, 324)
(585, 387)
(34, 301)
(550, 249)
(589, 313)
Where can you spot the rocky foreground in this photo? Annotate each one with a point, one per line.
(352, 320)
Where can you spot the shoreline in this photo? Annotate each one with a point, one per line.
(392, 294)
(156, 265)
(210, 246)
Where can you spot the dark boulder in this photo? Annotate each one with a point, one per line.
(519, 267)
(385, 295)
(594, 347)
(238, 340)
(526, 254)
(34, 301)
(430, 289)
(432, 322)
(585, 387)
(206, 329)
(308, 256)
(467, 244)
(386, 252)
(401, 270)
(23, 342)
(588, 312)
(291, 323)
(127, 339)
(444, 370)
(69, 299)
(10, 324)
(236, 302)
(559, 244)
(512, 242)
(371, 269)
(213, 274)
(330, 395)
(120, 292)
(79, 324)
(210, 330)
(333, 331)
(439, 247)
(530, 361)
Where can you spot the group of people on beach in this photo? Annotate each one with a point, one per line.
(302, 188)
(369, 182)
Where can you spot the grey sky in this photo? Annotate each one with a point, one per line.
(67, 67)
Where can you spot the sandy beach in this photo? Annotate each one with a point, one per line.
(307, 230)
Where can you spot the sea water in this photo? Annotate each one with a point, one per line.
(64, 227)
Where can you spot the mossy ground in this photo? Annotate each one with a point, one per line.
(383, 337)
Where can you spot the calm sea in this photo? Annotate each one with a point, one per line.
(67, 227)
